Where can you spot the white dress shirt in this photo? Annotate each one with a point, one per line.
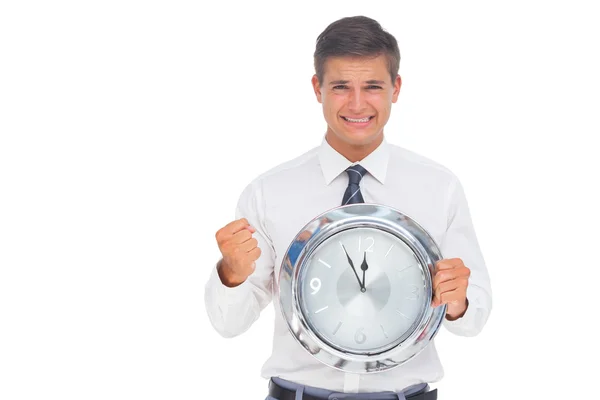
(281, 201)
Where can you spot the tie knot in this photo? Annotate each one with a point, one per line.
(355, 174)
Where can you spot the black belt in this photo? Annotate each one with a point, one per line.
(281, 393)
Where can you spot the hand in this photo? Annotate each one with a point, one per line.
(304, 235)
(364, 266)
(239, 250)
(362, 288)
(450, 282)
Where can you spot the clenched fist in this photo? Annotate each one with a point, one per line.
(239, 250)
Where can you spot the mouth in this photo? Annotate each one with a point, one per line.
(358, 123)
(362, 120)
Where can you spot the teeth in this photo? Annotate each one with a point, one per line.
(366, 119)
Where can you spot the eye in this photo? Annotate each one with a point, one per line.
(374, 87)
(337, 87)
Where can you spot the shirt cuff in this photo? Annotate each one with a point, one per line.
(227, 295)
(465, 325)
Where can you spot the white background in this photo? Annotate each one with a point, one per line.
(129, 128)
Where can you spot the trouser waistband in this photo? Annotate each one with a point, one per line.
(282, 389)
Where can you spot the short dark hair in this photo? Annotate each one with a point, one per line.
(356, 36)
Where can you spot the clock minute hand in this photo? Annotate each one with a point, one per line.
(353, 269)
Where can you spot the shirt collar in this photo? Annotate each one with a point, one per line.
(333, 163)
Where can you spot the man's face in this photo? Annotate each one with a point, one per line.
(357, 96)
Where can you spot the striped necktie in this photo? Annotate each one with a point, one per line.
(352, 194)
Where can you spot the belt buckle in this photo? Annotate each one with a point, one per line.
(343, 396)
(355, 396)
(362, 396)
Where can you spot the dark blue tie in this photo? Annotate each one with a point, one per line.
(352, 194)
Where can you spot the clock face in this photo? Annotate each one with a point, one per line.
(362, 291)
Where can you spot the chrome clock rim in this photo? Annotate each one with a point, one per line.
(334, 221)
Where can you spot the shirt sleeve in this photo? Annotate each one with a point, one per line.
(461, 242)
(233, 310)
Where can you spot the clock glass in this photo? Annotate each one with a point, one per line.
(363, 291)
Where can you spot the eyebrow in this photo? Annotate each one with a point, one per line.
(370, 82)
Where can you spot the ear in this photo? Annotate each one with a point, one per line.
(397, 85)
(317, 87)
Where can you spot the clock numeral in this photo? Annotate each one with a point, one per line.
(414, 292)
(315, 285)
(359, 336)
(321, 309)
(368, 249)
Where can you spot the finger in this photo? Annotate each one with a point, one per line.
(449, 286)
(248, 245)
(241, 237)
(226, 232)
(254, 254)
(448, 263)
(442, 276)
(455, 296)
(450, 274)
(236, 226)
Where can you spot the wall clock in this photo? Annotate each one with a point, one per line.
(355, 288)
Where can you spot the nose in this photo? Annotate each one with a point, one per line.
(356, 102)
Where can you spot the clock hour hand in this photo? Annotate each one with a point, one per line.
(353, 269)
(364, 266)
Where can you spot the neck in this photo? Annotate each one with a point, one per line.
(353, 151)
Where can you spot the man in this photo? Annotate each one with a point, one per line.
(357, 82)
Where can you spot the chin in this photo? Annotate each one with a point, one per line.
(354, 136)
(359, 138)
